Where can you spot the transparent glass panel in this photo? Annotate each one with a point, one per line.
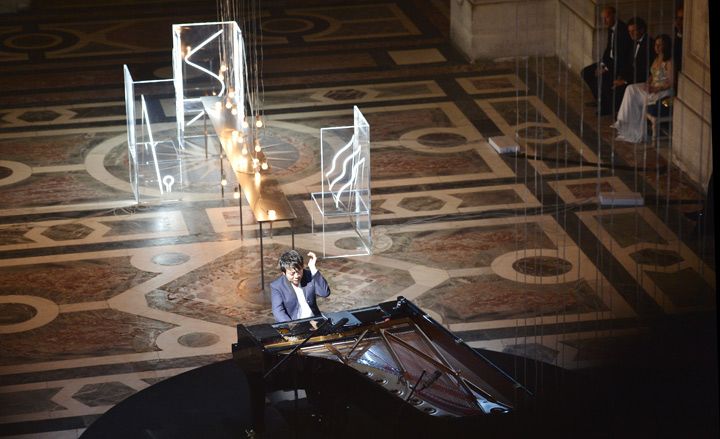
(154, 158)
(208, 61)
(344, 199)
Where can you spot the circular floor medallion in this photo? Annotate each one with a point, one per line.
(170, 258)
(538, 265)
(25, 313)
(12, 172)
(12, 313)
(542, 266)
(198, 339)
(442, 140)
(286, 25)
(35, 41)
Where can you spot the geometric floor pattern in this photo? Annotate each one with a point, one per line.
(101, 298)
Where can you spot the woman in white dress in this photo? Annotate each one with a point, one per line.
(631, 122)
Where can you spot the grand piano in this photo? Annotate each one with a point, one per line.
(383, 370)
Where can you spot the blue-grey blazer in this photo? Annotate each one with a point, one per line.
(284, 301)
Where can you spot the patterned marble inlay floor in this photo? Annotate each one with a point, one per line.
(101, 297)
(664, 267)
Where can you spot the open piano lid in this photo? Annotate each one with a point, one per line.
(398, 347)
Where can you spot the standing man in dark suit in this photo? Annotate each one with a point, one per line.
(294, 293)
(600, 76)
(677, 41)
(637, 70)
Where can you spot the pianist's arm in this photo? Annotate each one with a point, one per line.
(278, 304)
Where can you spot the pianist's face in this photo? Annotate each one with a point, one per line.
(293, 276)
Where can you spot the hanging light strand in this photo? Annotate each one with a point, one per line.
(247, 14)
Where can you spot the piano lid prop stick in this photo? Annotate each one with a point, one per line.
(415, 386)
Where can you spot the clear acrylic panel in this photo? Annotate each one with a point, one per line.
(154, 158)
(344, 199)
(208, 61)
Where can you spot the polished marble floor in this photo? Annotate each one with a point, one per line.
(101, 297)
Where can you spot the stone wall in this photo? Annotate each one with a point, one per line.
(496, 29)
(692, 136)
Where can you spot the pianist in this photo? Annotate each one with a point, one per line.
(295, 291)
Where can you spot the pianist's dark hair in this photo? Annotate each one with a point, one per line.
(290, 259)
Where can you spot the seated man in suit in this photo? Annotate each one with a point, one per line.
(294, 293)
(637, 71)
(600, 76)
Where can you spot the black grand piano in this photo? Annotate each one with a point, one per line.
(387, 370)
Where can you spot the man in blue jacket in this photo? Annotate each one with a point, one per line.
(294, 292)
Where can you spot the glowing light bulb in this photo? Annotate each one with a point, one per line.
(231, 94)
(245, 123)
(264, 166)
(236, 195)
(244, 150)
(257, 147)
(228, 105)
(258, 122)
(223, 182)
(233, 111)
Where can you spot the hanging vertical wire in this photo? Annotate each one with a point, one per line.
(541, 133)
(611, 264)
(537, 326)
(257, 61)
(256, 17)
(598, 168)
(579, 235)
(566, 70)
(606, 292)
(247, 45)
(526, 232)
(636, 183)
(612, 158)
(658, 190)
(516, 167)
(261, 81)
(247, 14)
(561, 223)
(701, 224)
(635, 176)
(641, 175)
(253, 56)
(669, 168)
(681, 124)
(557, 180)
